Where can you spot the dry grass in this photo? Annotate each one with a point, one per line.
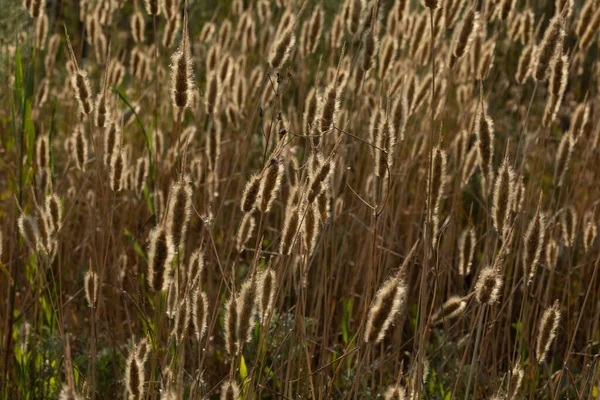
(371, 199)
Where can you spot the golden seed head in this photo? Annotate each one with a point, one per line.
(547, 331)
(487, 288)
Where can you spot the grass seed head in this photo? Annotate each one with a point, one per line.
(487, 288)
(547, 331)
(160, 256)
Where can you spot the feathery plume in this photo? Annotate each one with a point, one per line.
(514, 383)
(525, 63)
(547, 331)
(245, 232)
(549, 48)
(487, 288)
(270, 185)
(181, 70)
(91, 287)
(466, 250)
(80, 83)
(230, 390)
(179, 212)
(153, 7)
(230, 323)
(504, 192)
(388, 302)
(134, 376)
(533, 242)
(466, 34)
(568, 223)
(484, 131)
(563, 158)
(200, 313)
(590, 230)
(117, 171)
(452, 308)
(265, 299)
(160, 256)
(251, 193)
(28, 226)
(246, 303)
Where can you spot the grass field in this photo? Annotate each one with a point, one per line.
(253, 199)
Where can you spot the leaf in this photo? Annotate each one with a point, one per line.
(19, 77)
(137, 120)
(3, 269)
(138, 249)
(30, 132)
(345, 319)
(243, 369)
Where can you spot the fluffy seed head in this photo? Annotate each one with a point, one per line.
(438, 177)
(55, 211)
(250, 195)
(563, 158)
(182, 319)
(153, 7)
(91, 287)
(193, 274)
(330, 105)
(395, 392)
(141, 173)
(270, 185)
(547, 331)
(29, 229)
(290, 228)
(80, 148)
(504, 192)
(525, 64)
(514, 383)
(199, 313)
(388, 302)
(487, 288)
(550, 46)
(588, 34)
(41, 31)
(230, 390)
(181, 70)
(179, 213)
(170, 32)
(533, 243)
(117, 171)
(568, 223)
(160, 255)
(246, 303)
(245, 232)
(484, 131)
(138, 27)
(579, 120)
(230, 323)
(281, 48)
(465, 37)
(452, 308)
(112, 139)
(319, 180)
(267, 286)
(134, 376)
(466, 250)
(213, 93)
(590, 230)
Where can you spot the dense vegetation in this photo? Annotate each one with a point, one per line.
(287, 199)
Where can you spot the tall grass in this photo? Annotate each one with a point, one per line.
(303, 199)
